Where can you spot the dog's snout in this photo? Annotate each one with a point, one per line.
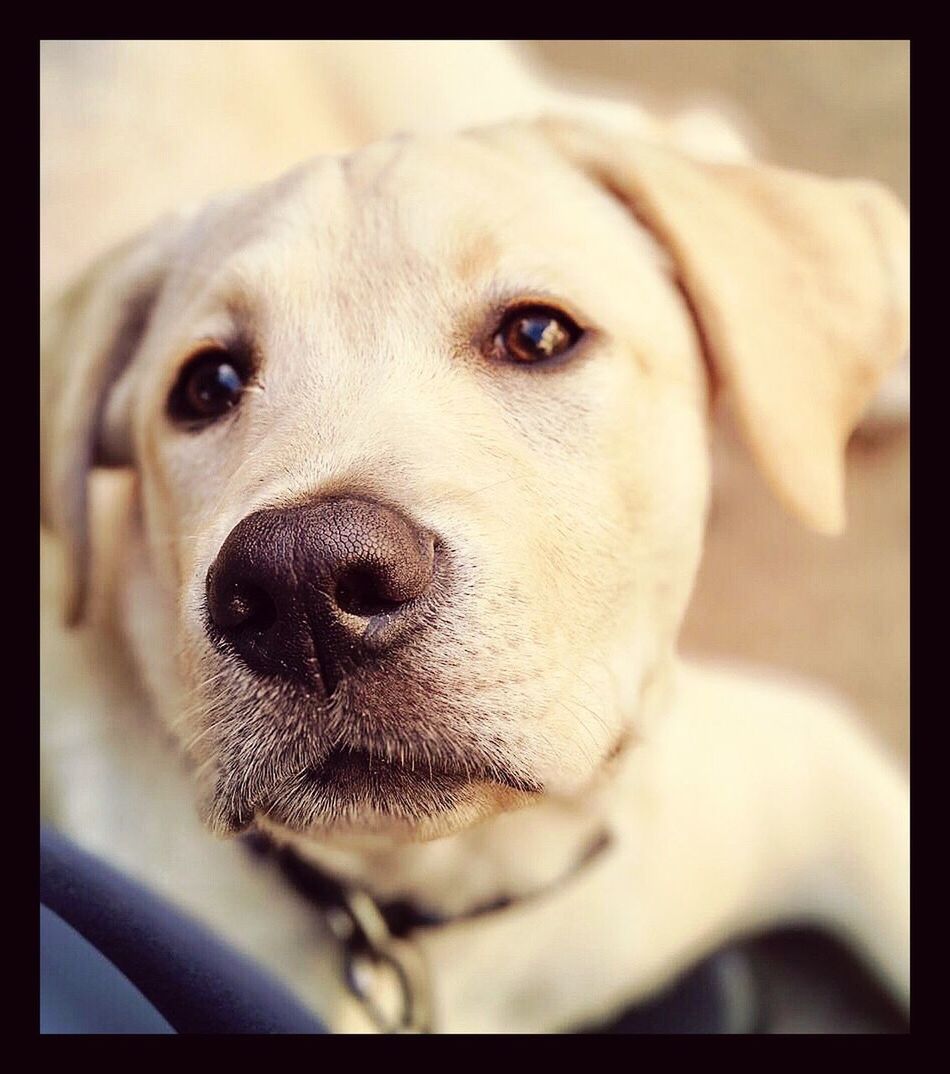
(306, 592)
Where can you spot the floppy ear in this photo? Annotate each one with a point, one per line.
(799, 286)
(89, 335)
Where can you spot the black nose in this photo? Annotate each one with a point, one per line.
(308, 592)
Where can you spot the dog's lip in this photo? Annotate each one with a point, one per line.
(351, 779)
(357, 768)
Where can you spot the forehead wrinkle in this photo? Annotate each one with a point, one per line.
(311, 201)
(374, 167)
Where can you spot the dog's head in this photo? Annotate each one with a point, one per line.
(420, 436)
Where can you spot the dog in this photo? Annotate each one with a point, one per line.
(373, 495)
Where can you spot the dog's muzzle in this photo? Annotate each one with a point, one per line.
(307, 593)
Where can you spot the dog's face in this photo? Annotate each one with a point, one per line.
(421, 437)
(457, 478)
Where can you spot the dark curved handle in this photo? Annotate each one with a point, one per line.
(196, 981)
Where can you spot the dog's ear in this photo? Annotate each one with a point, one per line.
(799, 287)
(89, 336)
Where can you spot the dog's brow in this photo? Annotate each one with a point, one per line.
(241, 309)
(477, 257)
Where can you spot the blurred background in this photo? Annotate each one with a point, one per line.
(835, 107)
(834, 611)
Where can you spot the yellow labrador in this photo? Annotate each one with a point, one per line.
(373, 498)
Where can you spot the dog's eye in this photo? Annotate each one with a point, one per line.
(535, 334)
(209, 385)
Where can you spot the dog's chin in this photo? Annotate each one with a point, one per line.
(353, 792)
(479, 802)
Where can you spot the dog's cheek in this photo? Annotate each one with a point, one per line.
(639, 540)
(150, 623)
(164, 483)
(591, 561)
(661, 485)
(163, 610)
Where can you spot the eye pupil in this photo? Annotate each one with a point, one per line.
(214, 385)
(208, 386)
(541, 333)
(536, 335)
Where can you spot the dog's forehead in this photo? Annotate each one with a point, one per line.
(412, 211)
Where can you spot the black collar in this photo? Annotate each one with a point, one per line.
(400, 915)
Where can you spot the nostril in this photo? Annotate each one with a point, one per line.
(244, 606)
(307, 592)
(359, 591)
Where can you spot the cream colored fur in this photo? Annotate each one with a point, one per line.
(578, 500)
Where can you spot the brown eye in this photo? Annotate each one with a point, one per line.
(536, 334)
(209, 385)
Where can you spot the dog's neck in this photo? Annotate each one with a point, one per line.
(511, 856)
